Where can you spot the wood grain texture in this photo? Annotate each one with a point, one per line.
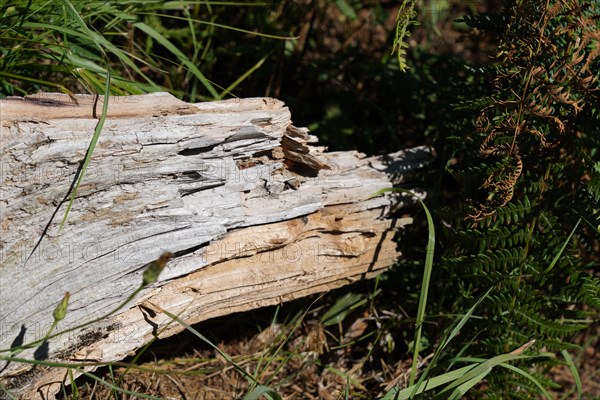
(253, 211)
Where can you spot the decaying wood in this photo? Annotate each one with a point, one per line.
(254, 212)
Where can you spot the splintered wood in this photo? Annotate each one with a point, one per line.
(254, 213)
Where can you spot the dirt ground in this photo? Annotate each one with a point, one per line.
(301, 359)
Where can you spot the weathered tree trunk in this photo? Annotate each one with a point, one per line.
(253, 213)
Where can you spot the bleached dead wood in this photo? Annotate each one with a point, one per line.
(254, 214)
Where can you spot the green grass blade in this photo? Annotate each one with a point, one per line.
(460, 391)
(480, 371)
(260, 390)
(96, 38)
(562, 249)
(484, 368)
(136, 395)
(180, 56)
(243, 76)
(211, 344)
(529, 377)
(574, 372)
(126, 58)
(342, 307)
(228, 27)
(430, 251)
(264, 370)
(346, 9)
(429, 384)
(88, 154)
(466, 317)
(346, 376)
(79, 367)
(90, 80)
(74, 388)
(23, 78)
(70, 9)
(424, 291)
(444, 342)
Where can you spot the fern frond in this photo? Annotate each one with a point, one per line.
(543, 326)
(511, 213)
(590, 292)
(404, 20)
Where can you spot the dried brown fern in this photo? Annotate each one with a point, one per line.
(546, 84)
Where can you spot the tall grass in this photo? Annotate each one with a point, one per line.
(129, 47)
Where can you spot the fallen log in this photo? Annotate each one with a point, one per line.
(252, 210)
